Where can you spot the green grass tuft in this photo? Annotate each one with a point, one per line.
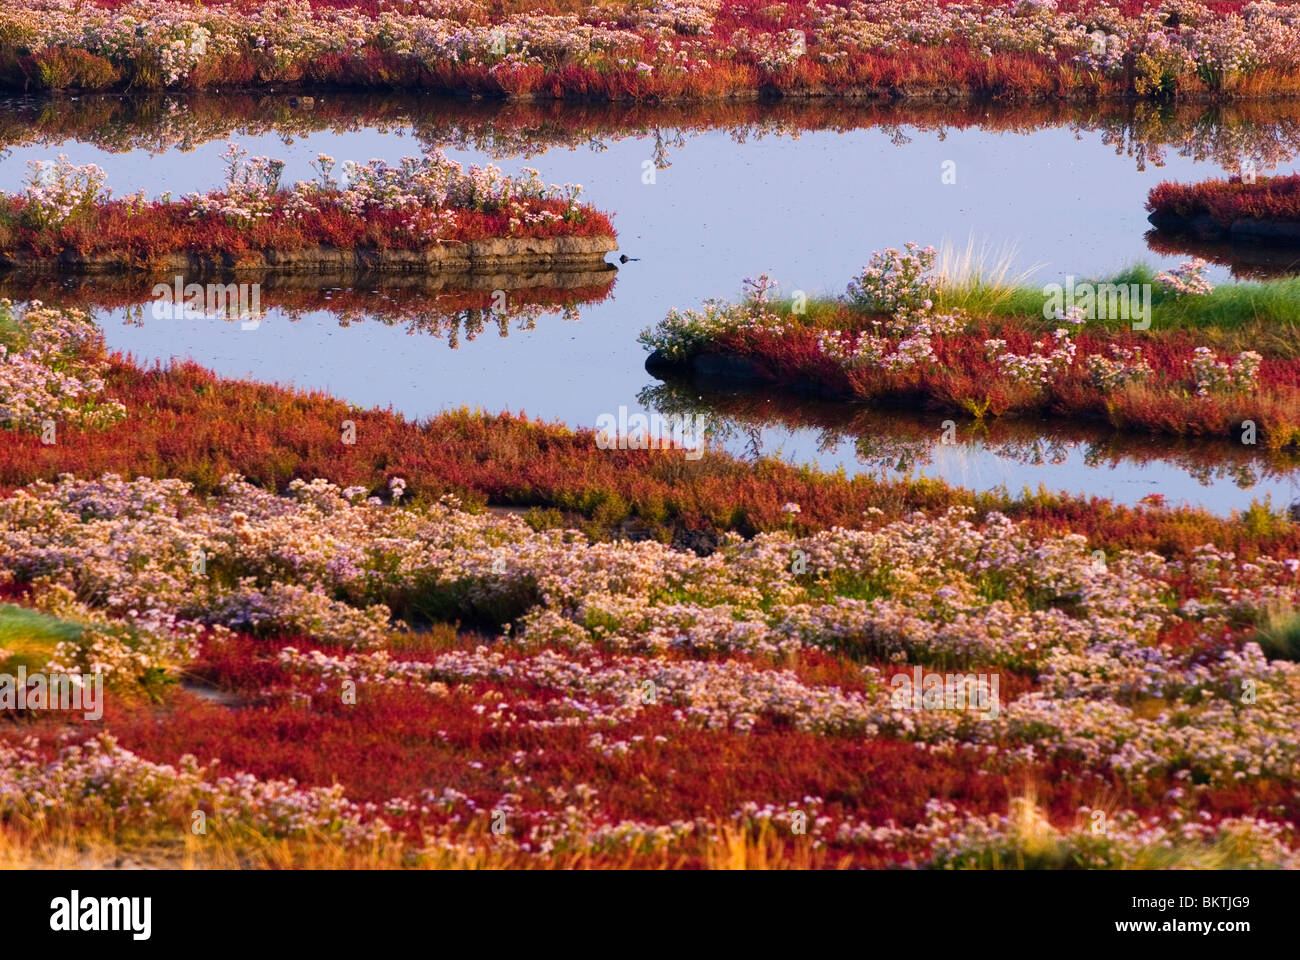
(1279, 635)
(31, 636)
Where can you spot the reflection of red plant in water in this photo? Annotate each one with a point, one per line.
(893, 440)
(1222, 134)
(440, 312)
(1244, 259)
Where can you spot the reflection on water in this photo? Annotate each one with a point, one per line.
(448, 307)
(1222, 134)
(1059, 454)
(1245, 260)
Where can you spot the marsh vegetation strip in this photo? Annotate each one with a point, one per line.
(702, 198)
(678, 50)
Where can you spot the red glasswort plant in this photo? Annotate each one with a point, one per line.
(670, 50)
(1227, 201)
(423, 202)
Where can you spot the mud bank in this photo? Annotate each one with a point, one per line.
(23, 283)
(718, 369)
(483, 258)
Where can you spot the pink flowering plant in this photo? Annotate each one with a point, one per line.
(593, 626)
(1138, 668)
(51, 370)
(420, 203)
(60, 191)
(1187, 279)
(697, 48)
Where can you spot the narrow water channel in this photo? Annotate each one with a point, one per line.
(804, 194)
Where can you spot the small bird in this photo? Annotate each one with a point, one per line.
(624, 258)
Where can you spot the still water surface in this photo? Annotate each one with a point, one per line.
(725, 201)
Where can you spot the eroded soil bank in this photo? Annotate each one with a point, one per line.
(561, 254)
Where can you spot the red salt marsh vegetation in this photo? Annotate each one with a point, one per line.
(187, 423)
(340, 636)
(1265, 209)
(675, 49)
(414, 216)
(371, 669)
(1161, 354)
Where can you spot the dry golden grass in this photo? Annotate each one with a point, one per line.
(35, 844)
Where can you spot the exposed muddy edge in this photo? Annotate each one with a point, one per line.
(25, 280)
(722, 369)
(212, 694)
(505, 256)
(1245, 230)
